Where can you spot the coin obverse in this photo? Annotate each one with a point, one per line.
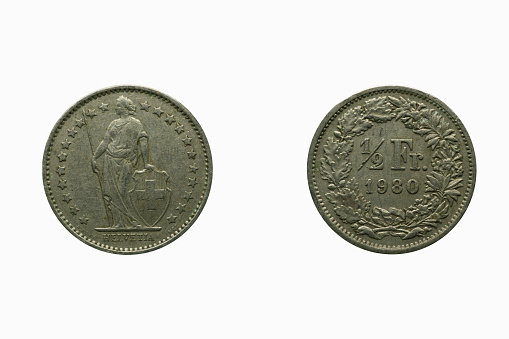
(391, 169)
(127, 169)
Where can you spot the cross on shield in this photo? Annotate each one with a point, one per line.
(150, 195)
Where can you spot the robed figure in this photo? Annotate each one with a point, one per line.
(124, 140)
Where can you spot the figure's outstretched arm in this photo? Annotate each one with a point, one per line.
(98, 152)
(144, 152)
(100, 149)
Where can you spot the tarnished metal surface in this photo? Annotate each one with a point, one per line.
(127, 169)
(391, 169)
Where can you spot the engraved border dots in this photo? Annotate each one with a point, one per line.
(193, 167)
(62, 157)
(191, 154)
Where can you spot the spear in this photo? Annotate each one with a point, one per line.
(98, 173)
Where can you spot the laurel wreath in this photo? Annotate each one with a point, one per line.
(441, 186)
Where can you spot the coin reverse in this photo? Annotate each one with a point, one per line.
(391, 169)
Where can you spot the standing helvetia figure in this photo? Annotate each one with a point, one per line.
(153, 150)
(125, 140)
(391, 169)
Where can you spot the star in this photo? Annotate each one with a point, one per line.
(170, 119)
(74, 210)
(79, 123)
(193, 168)
(62, 156)
(192, 182)
(61, 170)
(91, 113)
(180, 208)
(83, 220)
(103, 107)
(72, 132)
(171, 218)
(188, 196)
(158, 111)
(179, 128)
(192, 154)
(62, 183)
(144, 106)
(66, 144)
(67, 197)
(187, 141)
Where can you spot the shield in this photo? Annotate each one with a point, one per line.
(150, 195)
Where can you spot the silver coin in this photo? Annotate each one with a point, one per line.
(127, 169)
(391, 169)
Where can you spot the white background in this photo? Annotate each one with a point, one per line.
(259, 77)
